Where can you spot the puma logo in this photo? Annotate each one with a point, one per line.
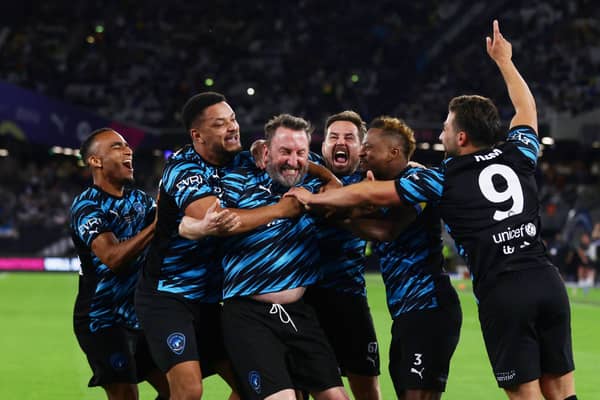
(416, 371)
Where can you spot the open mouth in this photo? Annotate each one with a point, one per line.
(128, 164)
(234, 139)
(340, 155)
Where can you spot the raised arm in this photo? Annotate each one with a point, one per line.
(500, 50)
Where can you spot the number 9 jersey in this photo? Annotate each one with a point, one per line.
(488, 200)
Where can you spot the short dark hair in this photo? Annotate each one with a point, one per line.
(84, 150)
(397, 128)
(350, 116)
(197, 104)
(478, 117)
(287, 121)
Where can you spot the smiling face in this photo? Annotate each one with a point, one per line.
(111, 155)
(287, 156)
(216, 133)
(341, 147)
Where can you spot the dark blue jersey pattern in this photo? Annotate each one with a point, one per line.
(412, 265)
(488, 200)
(342, 263)
(274, 257)
(105, 298)
(178, 266)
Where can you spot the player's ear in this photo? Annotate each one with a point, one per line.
(265, 153)
(94, 161)
(462, 138)
(196, 136)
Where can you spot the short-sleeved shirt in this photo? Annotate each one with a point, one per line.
(105, 298)
(178, 266)
(412, 265)
(488, 200)
(342, 263)
(277, 256)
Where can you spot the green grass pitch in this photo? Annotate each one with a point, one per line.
(40, 358)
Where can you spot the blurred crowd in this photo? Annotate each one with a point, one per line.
(139, 63)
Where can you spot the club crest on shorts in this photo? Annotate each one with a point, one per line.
(176, 342)
(254, 380)
(118, 361)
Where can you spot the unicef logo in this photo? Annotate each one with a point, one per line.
(530, 229)
(176, 342)
(254, 380)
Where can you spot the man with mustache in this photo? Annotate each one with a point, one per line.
(111, 226)
(272, 336)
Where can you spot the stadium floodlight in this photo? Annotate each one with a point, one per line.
(423, 146)
(209, 82)
(354, 78)
(99, 29)
(90, 39)
(3, 152)
(438, 147)
(548, 141)
(68, 151)
(250, 91)
(56, 150)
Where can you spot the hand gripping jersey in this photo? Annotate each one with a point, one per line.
(342, 263)
(274, 257)
(178, 266)
(105, 298)
(489, 203)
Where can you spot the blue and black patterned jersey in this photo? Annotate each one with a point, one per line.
(342, 264)
(274, 257)
(178, 266)
(105, 298)
(412, 265)
(489, 202)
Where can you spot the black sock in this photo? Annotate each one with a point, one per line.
(574, 397)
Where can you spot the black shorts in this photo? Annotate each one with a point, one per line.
(180, 330)
(422, 344)
(275, 347)
(526, 324)
(116, 355)
(346, 320)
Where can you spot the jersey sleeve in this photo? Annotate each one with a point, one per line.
(418, 187)
(186, 183)
(526, 140)
(316, 158)
(150, 209)
(89, 221)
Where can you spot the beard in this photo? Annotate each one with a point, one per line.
(275, 172)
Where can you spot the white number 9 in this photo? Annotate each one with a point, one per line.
(513, 189)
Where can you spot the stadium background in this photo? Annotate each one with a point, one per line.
(67, 68)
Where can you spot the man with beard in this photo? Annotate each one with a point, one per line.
(178, 296)
(273, 338)
(340, 297)
(111, 225)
